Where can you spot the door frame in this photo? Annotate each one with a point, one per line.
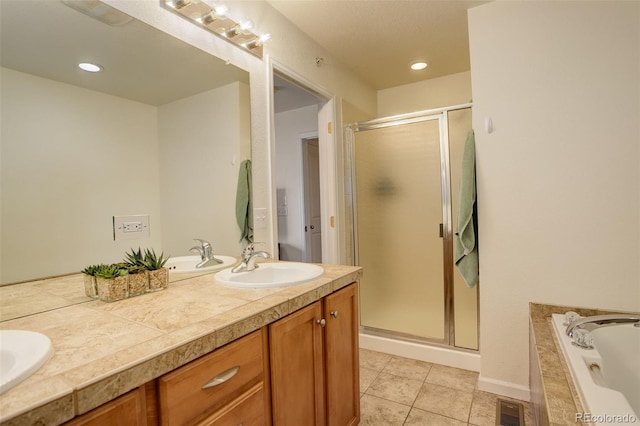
(328, 160)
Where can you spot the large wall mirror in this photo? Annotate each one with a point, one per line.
(161, 131)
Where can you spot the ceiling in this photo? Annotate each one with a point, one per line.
(379, 39)
(405, 30)
(46, 38)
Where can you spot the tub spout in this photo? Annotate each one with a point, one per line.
(593, 322)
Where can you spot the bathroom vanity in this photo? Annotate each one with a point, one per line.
(198, 353)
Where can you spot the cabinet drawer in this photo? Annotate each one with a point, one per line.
(246, 410)
(206, 384)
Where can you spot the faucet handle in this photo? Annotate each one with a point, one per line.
(582, 338)
(249, 249)
(203, 243)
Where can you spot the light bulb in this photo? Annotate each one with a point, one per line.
(89, 67)
(221, 10)
(418, 65)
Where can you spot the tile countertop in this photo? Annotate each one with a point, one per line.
(102, 350)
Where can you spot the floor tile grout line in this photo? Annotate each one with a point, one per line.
(475, 396)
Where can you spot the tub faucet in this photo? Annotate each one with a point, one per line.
(595, 321)
(249, 257)
(206, 254)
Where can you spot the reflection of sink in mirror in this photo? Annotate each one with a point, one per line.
(21, 354)
(187, 264)
(272, 274)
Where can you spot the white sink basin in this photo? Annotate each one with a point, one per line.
(187, 264)
(272, 274)
(21, 354)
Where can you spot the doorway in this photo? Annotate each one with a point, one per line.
(304, 164)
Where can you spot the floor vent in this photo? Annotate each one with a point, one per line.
(509, 413)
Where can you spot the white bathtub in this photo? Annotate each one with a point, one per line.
(608, 376)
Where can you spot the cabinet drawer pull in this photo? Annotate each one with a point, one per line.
(322, 322)
(335, 314)
(221, 378)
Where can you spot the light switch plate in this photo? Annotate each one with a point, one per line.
(130, 227)
(259, 218)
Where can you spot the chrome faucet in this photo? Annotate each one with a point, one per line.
(595, 321)
(206, 254)
(249, 257)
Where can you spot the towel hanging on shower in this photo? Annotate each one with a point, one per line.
(465, 247)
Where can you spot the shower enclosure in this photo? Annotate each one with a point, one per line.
(405, 173)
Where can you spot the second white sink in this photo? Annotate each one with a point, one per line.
(22, 352)
(271, 274)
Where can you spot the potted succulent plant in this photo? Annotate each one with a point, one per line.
(90, 284)
(138, 274)
(113, 282)
(158, 274)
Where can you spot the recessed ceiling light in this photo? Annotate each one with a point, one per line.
(89, 67)
(418, 65)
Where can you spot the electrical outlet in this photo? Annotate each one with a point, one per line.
(130, 227)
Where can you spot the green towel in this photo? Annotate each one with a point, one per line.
(244, 207)
(465, 250)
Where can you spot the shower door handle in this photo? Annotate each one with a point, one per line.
(441, 230)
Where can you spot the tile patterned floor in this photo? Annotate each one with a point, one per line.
(401, 391)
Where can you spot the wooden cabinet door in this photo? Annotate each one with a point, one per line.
(342, 357)
(297, 368)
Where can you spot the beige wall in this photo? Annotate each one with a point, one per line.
(558, 181)
(201, 142)
(450, 90)
(71, 159)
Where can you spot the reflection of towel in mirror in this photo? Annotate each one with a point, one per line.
(465, 250)
(244, 207)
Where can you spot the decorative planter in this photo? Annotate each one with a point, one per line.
(158, 279)
(112, 289)
(138, 283)
(90, 286)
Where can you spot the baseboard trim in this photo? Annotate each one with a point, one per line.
(507, 389)
(422, 352)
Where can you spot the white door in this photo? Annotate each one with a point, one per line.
(312, 211)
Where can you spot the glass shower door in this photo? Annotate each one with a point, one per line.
(399, 212)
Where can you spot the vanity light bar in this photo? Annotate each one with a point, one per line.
(216, 20)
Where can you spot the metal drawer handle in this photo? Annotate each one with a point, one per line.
(221, 378)
(322, 322)
(335, 314)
